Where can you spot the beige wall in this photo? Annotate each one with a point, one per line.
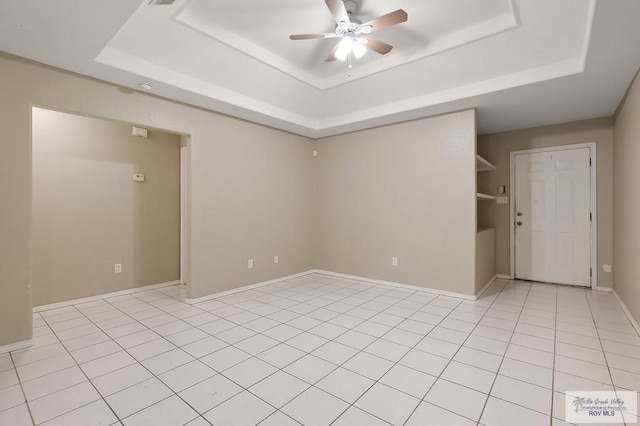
(250, 196)
(626, 200)
(405, 190)
(89, 214)
(496, 148)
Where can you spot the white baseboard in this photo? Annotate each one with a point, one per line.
(606, 289)
(16, 346)
(632, 320)
(102, 296)
(504, 277)
(395, 284)
(486, 286)
(244, 288)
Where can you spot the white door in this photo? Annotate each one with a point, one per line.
(553, 217)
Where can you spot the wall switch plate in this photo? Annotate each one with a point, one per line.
(138, 177)
(275, 259)
(502, 200)
(250, 264)
(394, 261)
(117, 268)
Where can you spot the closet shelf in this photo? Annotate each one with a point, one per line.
(481, 196)
(483, 165)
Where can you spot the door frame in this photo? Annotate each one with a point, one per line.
(593, 206)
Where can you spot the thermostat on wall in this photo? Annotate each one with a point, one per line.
(138, 177)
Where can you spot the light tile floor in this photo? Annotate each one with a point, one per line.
(319, 350)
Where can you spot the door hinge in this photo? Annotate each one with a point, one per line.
(590, 272)
(589, 162)
(590, 217)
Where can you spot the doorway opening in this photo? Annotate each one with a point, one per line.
(108, 207)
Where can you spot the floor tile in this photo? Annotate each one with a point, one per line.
(10, 397)
(62, 402)
(427, 414)
(150, 349)
(281, 355)
(388, 350)
(306, 342)
(45, 366)
(526, 372)
(335, 353)
(376, 401)
(244, 409)
(249, 372)
(138, 397)
(203, 347)
(107, 364)
(425, 362)
(576, 367)
(209, 393)
(522, 393)
(345, 384)
(368, 365)
(118, 380)
(480, 359)
(8, 378)
(96, 413)
(279, 419)
(502, 413)
(224, 358)
(456, 398)
(355, 339)
(168, 412)
(166, 361)
(469, 376)
(438, 347)
(310, 368)
(279, 388)
(186, 375)
(53, 382)
(16, 416)
(315, 407)
(531, 356)
(256, 344)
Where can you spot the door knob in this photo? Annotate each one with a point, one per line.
(519, 223)
(519, 214)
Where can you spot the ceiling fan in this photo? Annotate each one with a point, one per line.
(354, 35)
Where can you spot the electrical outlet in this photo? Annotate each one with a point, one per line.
(117, 268)
(250, 264)
(394, 261)
(275, 259)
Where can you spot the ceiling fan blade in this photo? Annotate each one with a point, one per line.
(376, 45)
(387, 20)
(332, 55)
(312, 36)
(338, 11)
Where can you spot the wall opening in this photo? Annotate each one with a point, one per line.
(107, 206)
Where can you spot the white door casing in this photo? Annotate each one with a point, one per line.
(551, 215)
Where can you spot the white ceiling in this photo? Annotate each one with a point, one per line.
(522, 63)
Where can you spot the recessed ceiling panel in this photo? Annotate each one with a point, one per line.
(261, 30)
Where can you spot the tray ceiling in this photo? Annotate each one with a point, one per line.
(522, 63)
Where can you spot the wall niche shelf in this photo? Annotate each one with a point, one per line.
(483, 165)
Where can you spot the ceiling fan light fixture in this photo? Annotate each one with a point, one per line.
(358, 50)
(365, 29)
(344, 47)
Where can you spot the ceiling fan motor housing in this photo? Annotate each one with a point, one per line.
(350, 5)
